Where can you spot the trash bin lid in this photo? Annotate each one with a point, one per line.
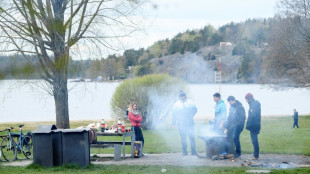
(45, 128)
(75, 130)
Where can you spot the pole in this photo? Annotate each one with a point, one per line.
(220, 74)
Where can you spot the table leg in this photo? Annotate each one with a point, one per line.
(133, 145)
(123, 146)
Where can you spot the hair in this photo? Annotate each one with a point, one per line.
(218, 95)
(182, 93)
(231, 98)
(249, 96)
(131, 106)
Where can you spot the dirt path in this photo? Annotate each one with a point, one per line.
(176, 159)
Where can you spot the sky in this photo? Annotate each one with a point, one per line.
(171, 17)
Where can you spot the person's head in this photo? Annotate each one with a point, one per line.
(133, 106)
(231, 100)
(182, 96)
(249, 97)
(217, 97)
(294, 110)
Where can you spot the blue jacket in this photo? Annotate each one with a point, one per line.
(220, 110)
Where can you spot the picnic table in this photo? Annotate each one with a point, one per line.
(105, 144)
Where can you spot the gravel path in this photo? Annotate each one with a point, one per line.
(176, 159)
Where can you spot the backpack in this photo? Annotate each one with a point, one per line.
(92, 136)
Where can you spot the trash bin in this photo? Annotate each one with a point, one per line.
(47, 146)
(75, 146)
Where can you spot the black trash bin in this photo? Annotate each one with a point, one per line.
(76, 146)
(47, 146)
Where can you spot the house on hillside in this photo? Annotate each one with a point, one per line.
(224, 44)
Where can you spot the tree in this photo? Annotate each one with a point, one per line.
(53, 29)
(289, 57)
(155, 95)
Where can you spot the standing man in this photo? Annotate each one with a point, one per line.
(183, 113)
(253, 123)
(220, 113)
(295, 116)
(235, 122)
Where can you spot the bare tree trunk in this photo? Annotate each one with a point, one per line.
(61, 103)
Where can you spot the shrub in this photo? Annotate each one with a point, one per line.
(154, 95)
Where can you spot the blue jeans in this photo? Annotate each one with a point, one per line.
(190, 132)
(236, 136)
(255, 143)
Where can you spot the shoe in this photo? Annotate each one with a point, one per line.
(185, 154)
(253, 158)
(236, 155)
(194, 154)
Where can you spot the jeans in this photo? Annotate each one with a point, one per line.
(190, 132)
(236, 136)
(255, 144)
(295, 123)
(138, 134)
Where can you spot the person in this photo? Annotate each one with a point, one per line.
(254, 122)
(235, 122)
(136, 119)
(183, 113)
(220, 113)
(295, 116)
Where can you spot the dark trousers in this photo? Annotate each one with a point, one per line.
(190, 132)
(236, 137)
(255, 144)
(295, 123)
(138, 134)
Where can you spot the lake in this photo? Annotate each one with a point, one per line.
(22, 100)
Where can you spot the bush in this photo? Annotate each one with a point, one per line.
(154, 94)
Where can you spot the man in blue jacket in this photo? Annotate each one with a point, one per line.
(295, 116)
(220, 113)
(253, 123)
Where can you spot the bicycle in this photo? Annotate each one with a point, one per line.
(16, 143)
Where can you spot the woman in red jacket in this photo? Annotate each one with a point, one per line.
(136, 119)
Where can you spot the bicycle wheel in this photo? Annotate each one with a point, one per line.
(27, 146)
(8, 149)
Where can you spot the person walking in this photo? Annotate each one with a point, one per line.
(254, 122)
(136, 119)
(183, 112)
(295, 116)
(220, 114)
(235, 122)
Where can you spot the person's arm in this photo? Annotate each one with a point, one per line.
(133, 118)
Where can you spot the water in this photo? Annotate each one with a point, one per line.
(29, 100)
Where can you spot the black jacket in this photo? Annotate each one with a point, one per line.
(236, 116)
(254, 116)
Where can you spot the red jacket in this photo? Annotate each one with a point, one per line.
(135, 119)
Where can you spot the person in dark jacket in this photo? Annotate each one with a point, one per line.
(183, 113)
(235, 123)
(295, 116)
(136, 119)
(254, 122)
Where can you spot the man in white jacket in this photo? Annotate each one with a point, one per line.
(183, 113)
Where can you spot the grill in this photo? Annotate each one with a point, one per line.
(214, 144)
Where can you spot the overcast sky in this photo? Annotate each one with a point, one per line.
(174, 16)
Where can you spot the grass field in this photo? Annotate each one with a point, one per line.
(277, 136)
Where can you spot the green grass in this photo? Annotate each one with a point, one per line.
(115, 169)
(277, 136)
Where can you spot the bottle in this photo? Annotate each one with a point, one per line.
(102, 125)
(119, 126)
